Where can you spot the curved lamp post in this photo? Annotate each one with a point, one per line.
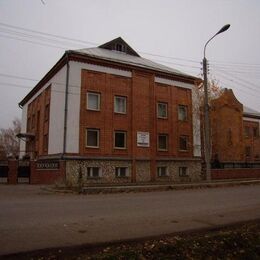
(207, 146)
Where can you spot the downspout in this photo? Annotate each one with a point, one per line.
(66, 105)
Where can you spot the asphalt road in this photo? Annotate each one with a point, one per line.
(31, 219)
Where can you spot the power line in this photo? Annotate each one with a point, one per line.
(237, 86)
(26, 87)
(242, 80)
(76, 40)
(47, 34)
(24, 40)
(35, 80)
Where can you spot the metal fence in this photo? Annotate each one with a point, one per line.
(235, 165)
(4, 171)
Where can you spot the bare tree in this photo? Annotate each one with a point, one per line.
(9, 143)
(214, 91)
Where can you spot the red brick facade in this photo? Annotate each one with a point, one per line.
(142, 96)
(38, 124)
(105, 138)
(234, 137)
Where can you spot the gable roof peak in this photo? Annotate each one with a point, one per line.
(118, 44)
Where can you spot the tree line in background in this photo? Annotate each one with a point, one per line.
(9, 143)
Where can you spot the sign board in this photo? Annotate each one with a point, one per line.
(47, 165)
(143, 139)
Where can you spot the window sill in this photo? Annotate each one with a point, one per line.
(119, 113)
(93, 110)
(92, 147)
(159, 117)
(122, 177)
(94, 178)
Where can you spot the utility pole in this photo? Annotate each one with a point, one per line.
(207, 141)
(207, 146)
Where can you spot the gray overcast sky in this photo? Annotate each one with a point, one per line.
(176, 29)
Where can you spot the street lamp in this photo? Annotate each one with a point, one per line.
(207, 146)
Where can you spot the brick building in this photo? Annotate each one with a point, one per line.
(112, 116)
(234, 130)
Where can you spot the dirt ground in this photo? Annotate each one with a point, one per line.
(240, 241)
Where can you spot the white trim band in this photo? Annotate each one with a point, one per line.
(173, 83)
(108, 70)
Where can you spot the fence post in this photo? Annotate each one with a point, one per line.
(13, 171)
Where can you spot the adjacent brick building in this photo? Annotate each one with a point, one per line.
(234, 130)
(113, 116)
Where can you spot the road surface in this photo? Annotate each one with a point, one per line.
(32, 219)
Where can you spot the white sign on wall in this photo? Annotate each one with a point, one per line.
(143, 139)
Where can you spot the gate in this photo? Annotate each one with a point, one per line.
(4, 172)
(23, 175)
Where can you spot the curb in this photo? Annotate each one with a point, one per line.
(162, 187)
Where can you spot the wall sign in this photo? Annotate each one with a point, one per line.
(143, 139)
(47, 165)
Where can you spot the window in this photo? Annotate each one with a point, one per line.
(120, 47)
(45, 142)
(121, 172)
(229, 137)
(162, 142)
(33, 121)
(248, 151)
(162, 171)
(92, 138)
(38, 125)
(120, 139)
(93, 101)
(182, 113)
(161, 110)
(28, 123)
(247, 131)
(93, 172)
(255, 132)
(120, 104)
(184, 143)
(46, 112)
(183, 171)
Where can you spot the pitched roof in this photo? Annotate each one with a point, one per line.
(129, 56)
(108, 52)
(251, 112)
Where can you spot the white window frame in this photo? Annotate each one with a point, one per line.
(159, 171)
(118, 172)
(186, 112)
(166, 109)
(96, 94)
(91, 172)
(181, 173)
(158, 143)
(115, 107)
(125, 138)
(98, 133)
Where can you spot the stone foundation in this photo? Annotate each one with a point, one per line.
(193, 167)
(143, 171)
(76, 171)
(76, 168)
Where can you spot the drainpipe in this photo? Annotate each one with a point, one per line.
(66, 105)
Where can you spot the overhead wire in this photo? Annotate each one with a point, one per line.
(36, 36)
